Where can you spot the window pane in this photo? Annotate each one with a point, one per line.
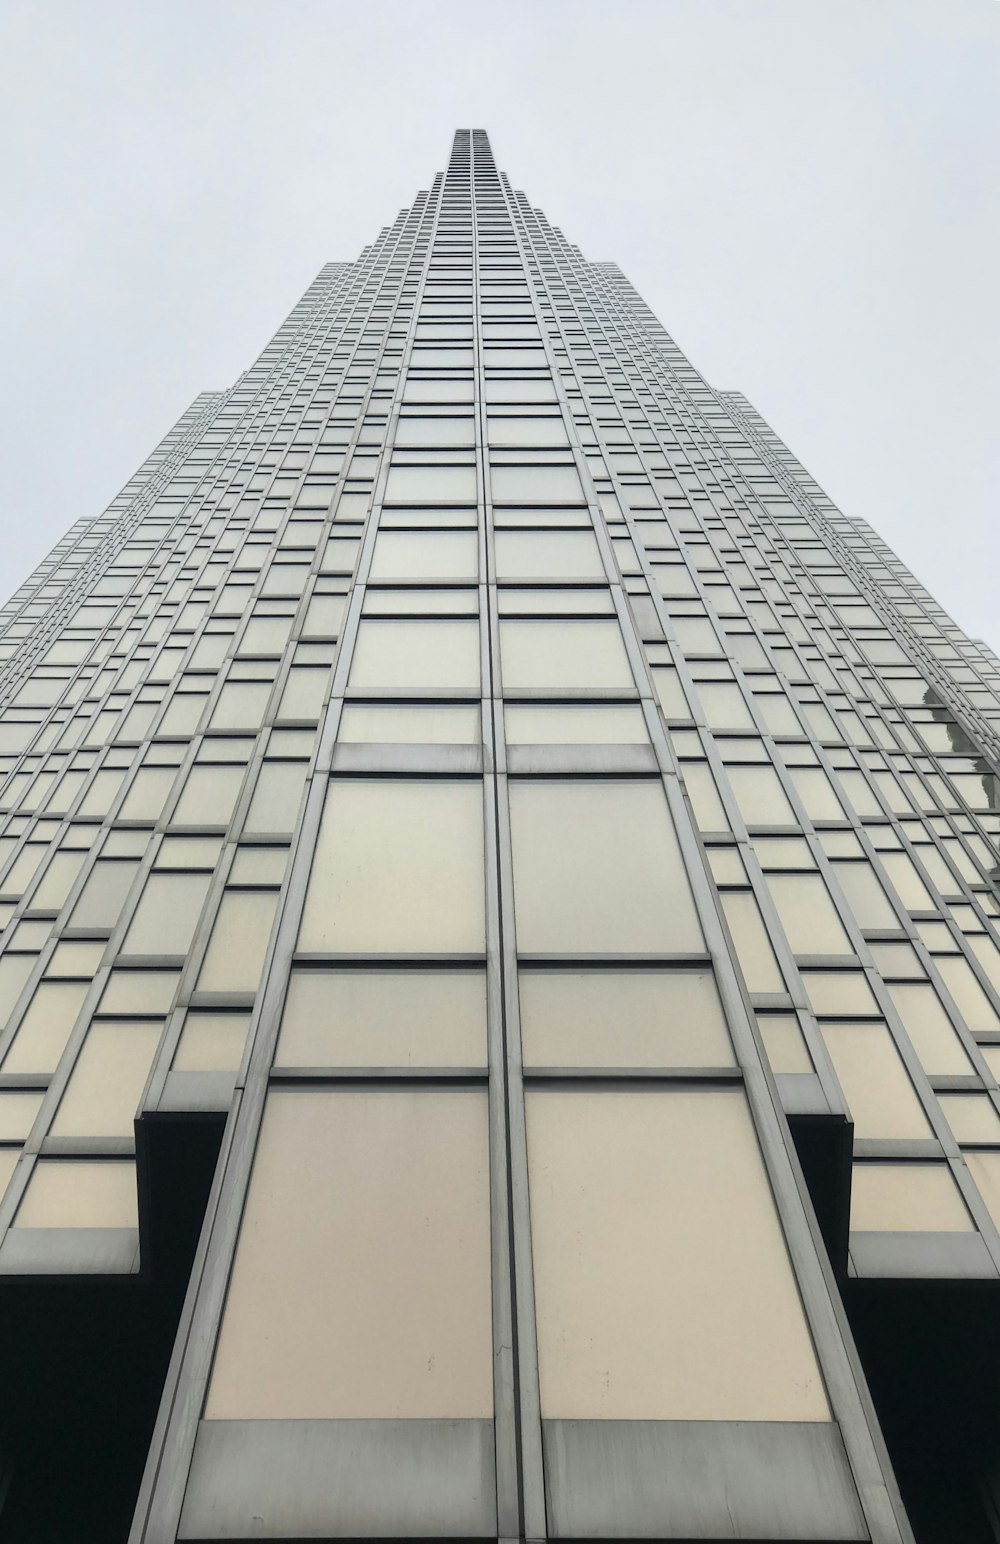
(907, 1198)
(760, 796)
(211, 1042)
(276, 797)
(209, 796)
(548, 555)
(575, 724)
(17, 1114)
(140, 991)
(663, 1290)
(431, 485)
(972, 1117)
(536, 484)
(167, 914)
(597, 868)
(623, 1018)
(784, 1043)
(879, 1094)
(370, 1210)
(985, 1170)
(753, 948)
(239, 941)
(148, 793)
(76, 1193)
(808, 915)
(969, 997)
(934, 1037)
(425, 555)
(106, 1084)
(410, 724)
(384, 1018)
(103, 895)
(241, 705)
(398, 866)
(564, 655)
(43, 1032)
(407, 656)
(865, 896)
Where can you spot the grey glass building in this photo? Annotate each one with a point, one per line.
(499, 972)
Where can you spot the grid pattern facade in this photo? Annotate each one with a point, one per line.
(474, 757)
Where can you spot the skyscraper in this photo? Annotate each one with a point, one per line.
(500, 978)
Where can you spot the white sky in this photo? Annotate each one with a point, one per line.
(805, 191)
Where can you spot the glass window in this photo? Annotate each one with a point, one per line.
(18, 1108)
(262, 867)
(384, 1018)
(969, 997)
(985, 1170)
(239, 941)
(80, 1193)
(647, 1208)
(622, 1018)
(8, 1163)
(972, 1117)
(398, 866)
(304, 692)
(597, 868)
(784, 1043)
(563, 655)
(241, 705)
(411, 430)
(760, 796)
(45, 1028)
(934, 1037)
(865, 896)
(140, 991)
(103, 895)
(548, 555)
(807, 914)
(324, 617)
(818, 798)
(425, 555)
(673, 702)
(539, 430)
(57, 881)
(167, 915)
(407, 656)
(148, 793)
(211, 1042)
(410, 724)
(265, 635)
(209, 796)
(839, 993)
(438, 484)
(906, 881)
(907, 1198)
(725, 705)
(535, 484)
(897, 959)
(753, 948)
(188, 852)
(370, 1208)
(575, 724)
(706, 806)
(277, 795)
(106, 1084)
(880, 1096)
(14, 972)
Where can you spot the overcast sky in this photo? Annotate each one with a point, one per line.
(806, 192)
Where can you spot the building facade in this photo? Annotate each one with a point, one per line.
(500, 979)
